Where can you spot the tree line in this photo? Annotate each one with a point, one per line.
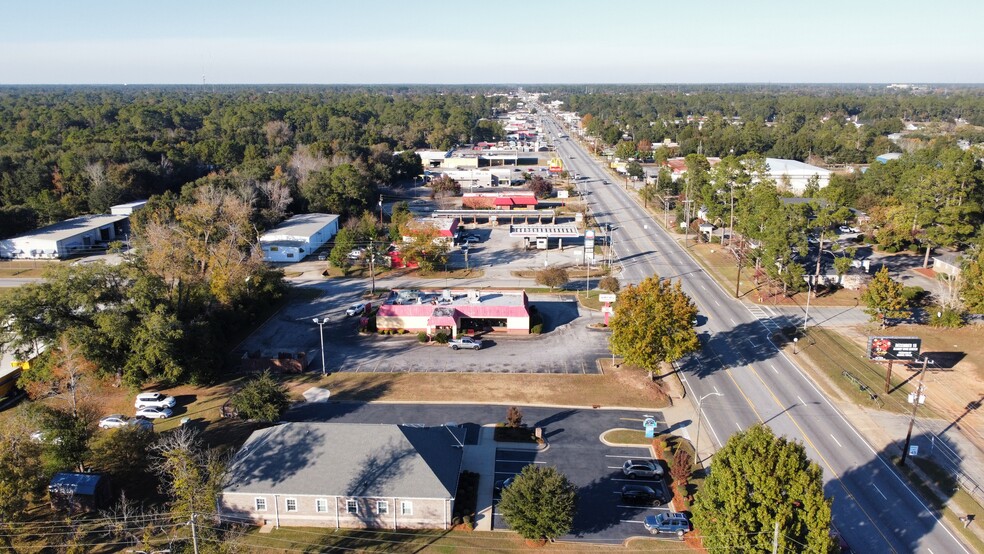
(71, 151)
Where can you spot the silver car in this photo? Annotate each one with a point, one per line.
(642, 468)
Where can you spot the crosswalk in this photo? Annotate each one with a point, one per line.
(772, 319)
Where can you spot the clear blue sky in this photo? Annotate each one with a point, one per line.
(500, 41)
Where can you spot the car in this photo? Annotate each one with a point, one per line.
(322, 257)
(355, 254)
(45, 437)
(465, 247)
(642, 495)
(844, 229)
(467, 343)
(642, 468)
(356, 308)
(813, 239)
(152, 412)
(472, 239)
(570, 157)
(114, 421)
(855, 229)
(500, 485)
(154, 400)
(141, 422)
(667, 522)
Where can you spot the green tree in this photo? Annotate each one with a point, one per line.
(540, 187)
(191, 474)
(553, 277)
(65, 438)
(261, 399)
(625, 149)
(972, 282)
(777, 482)
(21, 480)
(885, 299)
(634, 169)
(653, 323)
(344, 244)
(609, 283)
(400, 217)
(124, 454)
(540, 503)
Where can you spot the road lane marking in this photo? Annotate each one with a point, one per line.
(702, 287)
(733, 322)
(774, 370)
(837, 441)
(625, 457)
(801, 400)
(879, 491)
(716, 302)
(738, 426)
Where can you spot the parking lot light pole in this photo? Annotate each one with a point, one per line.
(700, 401)
(321, 325)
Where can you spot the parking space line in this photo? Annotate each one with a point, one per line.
(623, 457)
(657, 508)
(498, 461)
(515, 450)
(636, 480)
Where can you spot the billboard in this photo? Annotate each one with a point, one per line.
(893, 348)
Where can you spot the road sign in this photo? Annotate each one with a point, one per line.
(608, 310)
(606, 297)
(650, 425)
(913, 450)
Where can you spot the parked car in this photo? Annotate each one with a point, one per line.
(141, 422)
(154, 399)
(322, 257)
(471, 239)
(855, 229)
(500, 485)
(355, 309)
(667, 522)
(642, 495)
(844, 229)
(152, 412)
(114, 421)
(465, 342)
(642, 468)
(355, 254)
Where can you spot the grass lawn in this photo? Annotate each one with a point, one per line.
(320, 540)
(7, 272)
(626, 436)
(830, 355)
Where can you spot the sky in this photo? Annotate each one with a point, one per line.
(497, 42)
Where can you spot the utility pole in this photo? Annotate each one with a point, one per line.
(775, 538)
(372, 267)
(380, 209)
(194, 534)
(915, 406)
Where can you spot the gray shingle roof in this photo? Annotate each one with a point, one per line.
(348, 459)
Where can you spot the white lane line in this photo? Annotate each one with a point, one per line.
(718, 303)
(774, 370)
(733, 322)
(629, 521)
(624, 457)
(702, 287)
(498, 461)
(738, 426)
(839, 445)
(879, 491)
(800, 399)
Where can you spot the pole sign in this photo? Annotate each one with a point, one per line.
(589, 240)
(886, 349)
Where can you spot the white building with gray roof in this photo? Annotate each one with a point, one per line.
(79, 235)
(298, 237)
(345, 475)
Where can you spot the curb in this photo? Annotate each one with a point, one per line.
(448, 403)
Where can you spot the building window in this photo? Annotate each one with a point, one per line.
(274, 248)
(351, 506)
(290, 255)
(406, 508)
(321, 505)
(260, 504)
(382, 507)
(291, 504)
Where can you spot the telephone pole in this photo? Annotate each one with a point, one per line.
(194, 534)
(915, 406)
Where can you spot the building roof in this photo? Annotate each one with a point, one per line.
(298, 227)
(129, 205)
(72, 227)
(779, 166)
(74, 483)
(348, 459)
(951, 258)
(549, 231)
(454, 303)
(885, 158)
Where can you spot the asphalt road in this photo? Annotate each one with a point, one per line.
(744, 379)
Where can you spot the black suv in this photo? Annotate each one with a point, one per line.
(642, 495)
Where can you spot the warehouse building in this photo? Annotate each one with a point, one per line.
(76, 236)
(297, 237)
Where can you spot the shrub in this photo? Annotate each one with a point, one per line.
(422, 337)
(441, 338)
(609, 283)
(914, 296)
(715, 239)
(537, 329)
(948, 318)
(261, 399)
(553, 277)
(680, 472)
(514, 417)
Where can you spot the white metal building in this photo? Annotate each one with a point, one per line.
(795, 175)
(72, 236)
(128, 208)
(294, 239)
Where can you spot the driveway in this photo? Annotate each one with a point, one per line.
(575, 449)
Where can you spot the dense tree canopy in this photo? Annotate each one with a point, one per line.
(757, 480)
(540, 503)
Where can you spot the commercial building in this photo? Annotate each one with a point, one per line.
(128, 208)
(297, 237)
(79, 235)
(499, 201)
(455, 312)
(345, 475)
(446, 228)
(793, 175)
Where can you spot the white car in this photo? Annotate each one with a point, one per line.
(154, 413)
(355, 309)
(465, 342)
(154, 400)
(355, 254)
(844, 229)
(114, 421)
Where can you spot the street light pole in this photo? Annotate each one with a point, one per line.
(915, 405)
(321, 325)
(700, 401)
